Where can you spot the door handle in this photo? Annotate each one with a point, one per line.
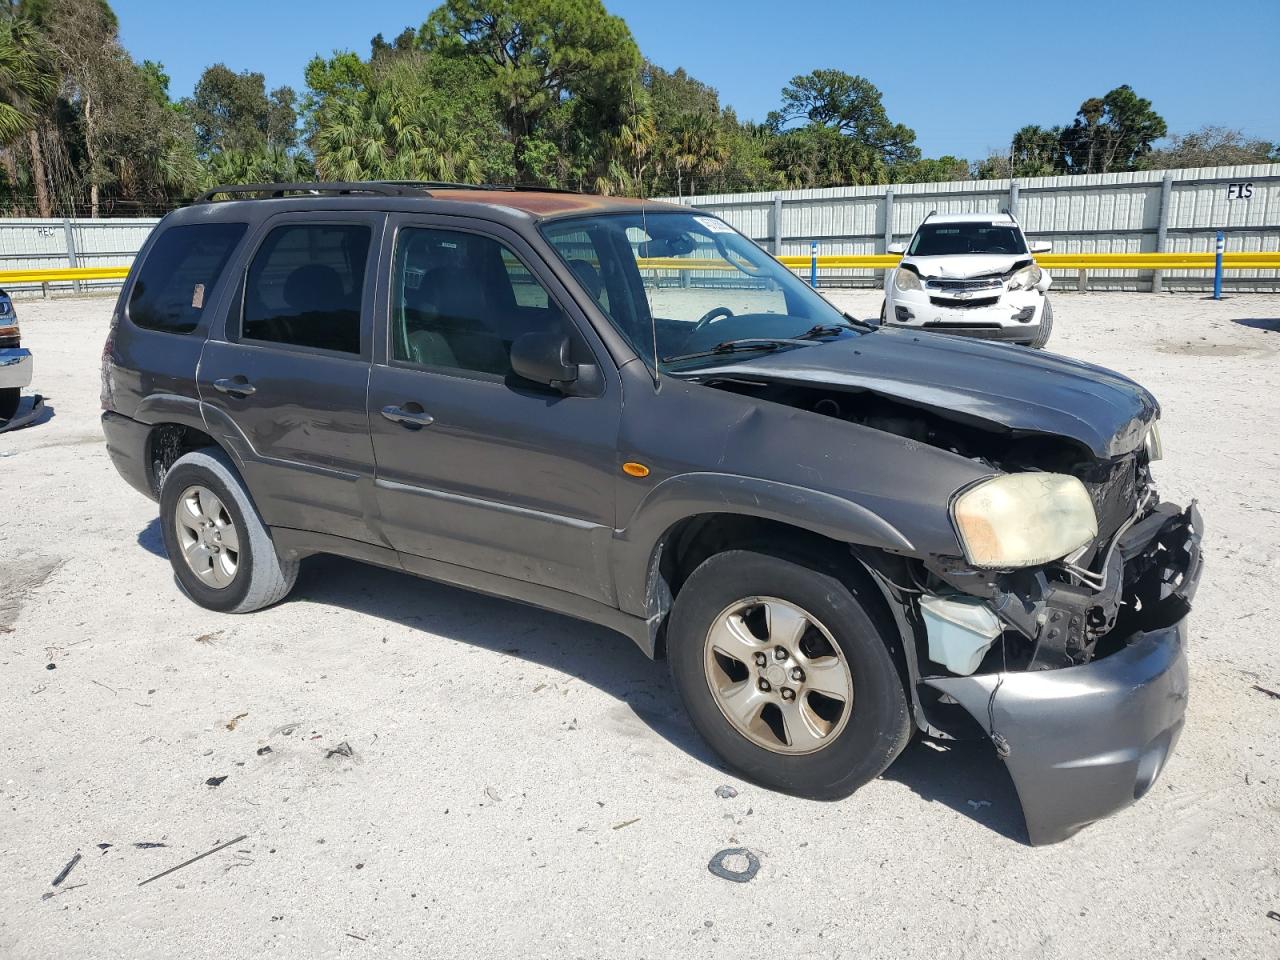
(236, 386)
(408, 418)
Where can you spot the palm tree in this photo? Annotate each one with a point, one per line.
(698, 148)
(27, 83)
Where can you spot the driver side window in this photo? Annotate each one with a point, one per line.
(459, 300)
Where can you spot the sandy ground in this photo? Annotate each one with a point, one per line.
(525, 785)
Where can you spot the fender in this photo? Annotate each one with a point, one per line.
(636, 546)
(170, 408)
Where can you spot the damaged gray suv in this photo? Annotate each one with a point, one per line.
(838, 535)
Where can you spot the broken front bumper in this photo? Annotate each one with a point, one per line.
(15, 368)
(1083, 742)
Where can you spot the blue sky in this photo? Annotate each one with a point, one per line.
(964, 76)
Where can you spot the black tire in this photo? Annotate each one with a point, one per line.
(884, 310)
(879, 724)
(261, 577)
(10, 398)
(1046, 326)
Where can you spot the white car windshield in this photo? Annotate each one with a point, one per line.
(950, 239)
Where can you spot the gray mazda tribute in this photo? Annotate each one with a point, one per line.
(838, 535)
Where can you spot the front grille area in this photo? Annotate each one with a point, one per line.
(963, 304)
(983, 283)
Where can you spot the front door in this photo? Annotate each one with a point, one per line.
(287, 384)
(476, 467)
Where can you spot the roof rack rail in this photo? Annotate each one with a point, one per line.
(274, 190)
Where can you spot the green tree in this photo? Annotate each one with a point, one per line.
(1210, 146)
(538, 54)
(28, 84)
(1112, 132)
(850, 105)
(411, 116)
(233, 111)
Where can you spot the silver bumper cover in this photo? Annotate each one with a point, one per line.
(15, 367)
(1083, 742)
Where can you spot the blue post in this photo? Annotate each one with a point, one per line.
(1217, 266)
(813, 264)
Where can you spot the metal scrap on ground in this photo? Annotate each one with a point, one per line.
(187, 863)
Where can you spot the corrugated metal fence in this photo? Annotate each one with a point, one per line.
(1145, 212)
(1151, 211)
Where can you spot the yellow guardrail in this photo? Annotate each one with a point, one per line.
(875, 261)
(63, 274)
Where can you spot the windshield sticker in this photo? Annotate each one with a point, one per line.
(714, 225)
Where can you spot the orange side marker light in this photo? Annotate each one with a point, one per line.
(633, 469)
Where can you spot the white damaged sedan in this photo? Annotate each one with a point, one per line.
(972, 275)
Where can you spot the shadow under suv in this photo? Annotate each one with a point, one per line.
(625, 411)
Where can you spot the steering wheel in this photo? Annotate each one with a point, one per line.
(710, 317)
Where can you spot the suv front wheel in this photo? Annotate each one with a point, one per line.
(220, 549)
(786, 672)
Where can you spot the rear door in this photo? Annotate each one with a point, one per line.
(287, 383)
(477, 467)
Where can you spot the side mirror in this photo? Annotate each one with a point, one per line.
(1040, 246)
(897, 248)
(545, 358)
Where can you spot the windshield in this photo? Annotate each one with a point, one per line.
(948, 239)
(692, 284)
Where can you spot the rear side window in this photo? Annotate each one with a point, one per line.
(305, 285)
(179, 274)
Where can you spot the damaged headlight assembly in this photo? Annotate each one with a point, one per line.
(906, 279)
(1023, 519)
(1026, 278)
(1155, 448)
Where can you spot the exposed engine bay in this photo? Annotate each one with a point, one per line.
(1063, 613)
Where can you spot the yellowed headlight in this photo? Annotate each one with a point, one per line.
(1023, 519)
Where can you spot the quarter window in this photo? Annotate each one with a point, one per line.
(178, 276)
(305, 287)
(459, 300)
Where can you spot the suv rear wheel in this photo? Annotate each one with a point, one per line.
(787, 674)
(220, 549)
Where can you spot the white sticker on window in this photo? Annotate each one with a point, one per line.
(197, 296)
(714, 225)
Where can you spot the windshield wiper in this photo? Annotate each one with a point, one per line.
(861, 324)
(823, 330)
(746, 343)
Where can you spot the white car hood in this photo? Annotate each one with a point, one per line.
(962, 266)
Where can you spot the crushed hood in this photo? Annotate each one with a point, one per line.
(996, 386)
(966, 266)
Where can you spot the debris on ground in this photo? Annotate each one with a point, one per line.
(286, 729)
(726, 792)
(719, 865)
(231, 724)
(263, 751)
(341, 750)
(1273, 915)
(1270, 693)
(625, 823)
(209, 638)
(57, 881)
(978, 804)
(149, 844)
(51, 666)
(216, 781)
(492, 794)
(54, 893)
(104, 847)
(187, 863)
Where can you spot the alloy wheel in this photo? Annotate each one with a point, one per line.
(207, 536)
(778, 675)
